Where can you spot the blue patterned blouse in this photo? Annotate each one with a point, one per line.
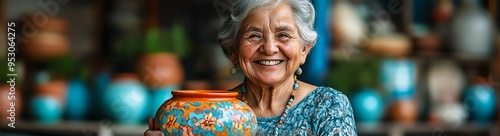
(324, 112)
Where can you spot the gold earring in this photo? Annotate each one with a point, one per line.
(233, 70)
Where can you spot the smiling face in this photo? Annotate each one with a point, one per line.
(270, 47)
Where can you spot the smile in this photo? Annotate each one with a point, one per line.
(269, 62)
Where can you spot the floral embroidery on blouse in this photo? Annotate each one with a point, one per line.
(324, 112)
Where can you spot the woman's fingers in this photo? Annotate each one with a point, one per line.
(150, 123)
(150, 132)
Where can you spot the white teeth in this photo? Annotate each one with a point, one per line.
(269, 62)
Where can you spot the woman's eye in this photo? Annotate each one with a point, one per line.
(254, 37)
(283, 36)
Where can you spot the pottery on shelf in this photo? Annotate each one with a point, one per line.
(472, 30)
(46, 109)
(50, 40)
(394, 46)
(205, 112)
(368, 106)
(6, 109)
(442, 11)
(404, 111)
(160, 69)
(126, 100)
(77, 100)
(57, 89)
(399, 77)
(480, 101)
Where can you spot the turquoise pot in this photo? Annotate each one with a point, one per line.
(480, 101)
(399, 77)
(160, 95)
(77, 100)
(100, 84)
(46, 110)
(126, 101)
(368, 106)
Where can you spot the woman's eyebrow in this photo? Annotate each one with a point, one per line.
(252, 28)
(283, 28)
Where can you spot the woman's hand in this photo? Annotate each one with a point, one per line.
(151, 131)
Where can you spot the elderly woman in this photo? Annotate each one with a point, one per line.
(268, 40)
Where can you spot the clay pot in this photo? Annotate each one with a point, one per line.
(160, 69)
(55, 24)
(391, 46)
(50, 39)
(442, 12)
(205, 112)
(56, 89)
(429, 44)
(60, 25)
(46, 44)
(6, 108)
(404, 111)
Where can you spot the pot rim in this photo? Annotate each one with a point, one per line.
(205, 93)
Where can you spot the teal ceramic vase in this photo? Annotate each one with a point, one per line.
(46, 109)
(126, 100)
(77, 100)
(368, 106)
(481, 103)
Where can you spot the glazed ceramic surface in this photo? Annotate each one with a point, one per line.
(77, 100)
(46, 109)
(126, 100)
(368, 106)
(481, 102)
(205, 112)
(399, 78)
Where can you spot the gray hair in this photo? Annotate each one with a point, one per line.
(304, 15)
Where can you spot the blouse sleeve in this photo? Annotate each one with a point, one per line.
(335, 116)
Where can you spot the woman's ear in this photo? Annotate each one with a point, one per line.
(233, 58)
(230, 54)
(306, 48)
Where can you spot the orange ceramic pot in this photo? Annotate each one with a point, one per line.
(56, 89)
(55, 24)
(160, 69)
(6, 109)
(205, 112)
(48, 40)
(46, 44)
(404, 111)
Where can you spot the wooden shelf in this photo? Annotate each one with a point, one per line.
(102, 128)
(67, 128)
(393, 129)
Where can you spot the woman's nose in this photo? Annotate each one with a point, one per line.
(270, 46)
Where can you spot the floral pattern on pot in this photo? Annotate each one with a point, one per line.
(205, 115)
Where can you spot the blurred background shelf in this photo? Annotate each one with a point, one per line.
(396, 60)
(386, 129)
(426, 129)
(67, 128)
